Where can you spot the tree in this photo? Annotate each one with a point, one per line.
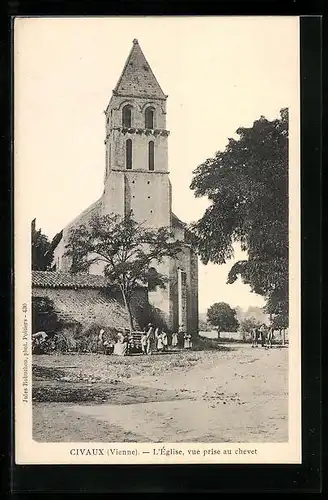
(223, 317)
(44, 316)
(257, 313)
(203, 326)
(127, 249)
(247, 325)
(240, 313)
(42, 253)
(247, 185)
(280, 321)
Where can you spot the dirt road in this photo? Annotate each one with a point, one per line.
(236, 394)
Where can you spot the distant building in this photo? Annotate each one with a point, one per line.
(137, 178)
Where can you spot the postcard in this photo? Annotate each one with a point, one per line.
(157, 240)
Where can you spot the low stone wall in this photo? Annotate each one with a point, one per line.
(88, 306)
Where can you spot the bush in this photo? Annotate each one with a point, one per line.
(44, 316)
(73, 337)
(47, 347)
(201, 343)
(88, 339)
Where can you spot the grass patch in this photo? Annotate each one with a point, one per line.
(47, 372)
(115, 393)
(206, 344)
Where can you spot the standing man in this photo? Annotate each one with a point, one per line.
(144, 341)
(181, 335)
(165, 341)
(150, 339)
(187, 341)
(263, 335)
(100, 342)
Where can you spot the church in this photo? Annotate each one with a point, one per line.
(137, 178)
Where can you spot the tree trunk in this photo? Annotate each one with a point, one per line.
(128, 309)
(219, 333)
(283, 336)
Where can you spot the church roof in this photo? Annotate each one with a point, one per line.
(177, 222)
(87, 214)
(56, 239)
(57, 279)
(137, 78)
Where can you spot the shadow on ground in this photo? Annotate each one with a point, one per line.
(49, 387)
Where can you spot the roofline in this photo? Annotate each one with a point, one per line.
(70, 287)
(124, 68)
(181, 223)
(75, 287)
(55, 241)
(60, 233)
(85, 212)
(135, 42)
(106, 284)
(122, 94)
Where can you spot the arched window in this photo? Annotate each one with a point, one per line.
(127, 116)
(151, 159)
(128, 154)
(149, 118)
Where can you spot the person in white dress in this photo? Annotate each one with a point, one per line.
(120, 347)
(174, 339)
(159, 338)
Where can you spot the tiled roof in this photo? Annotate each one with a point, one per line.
(137, 78)
(49, 279)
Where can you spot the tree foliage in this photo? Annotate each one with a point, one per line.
(247, 185)
(223, 317)
(42, 254)
(44, 316)
(127, 249)
(247, 325)
(203, 326)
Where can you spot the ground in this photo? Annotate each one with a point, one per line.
(229, 394)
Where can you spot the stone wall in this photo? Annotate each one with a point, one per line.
(146, 193)
(93, 306)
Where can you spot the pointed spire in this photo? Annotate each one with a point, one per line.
(137, 78)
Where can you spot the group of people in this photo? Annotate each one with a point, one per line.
(264, 335)
(156, 339)
(153, 339)
(186, 338)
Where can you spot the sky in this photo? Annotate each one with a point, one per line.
(220, 73)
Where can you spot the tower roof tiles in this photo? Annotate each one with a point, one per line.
(137, 78)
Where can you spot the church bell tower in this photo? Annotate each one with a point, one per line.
(136, 173)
